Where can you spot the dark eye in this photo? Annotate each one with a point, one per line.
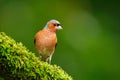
(55, 24)
(58, 24)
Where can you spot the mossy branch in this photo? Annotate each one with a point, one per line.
(18, 63)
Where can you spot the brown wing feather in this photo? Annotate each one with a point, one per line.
(56, 45)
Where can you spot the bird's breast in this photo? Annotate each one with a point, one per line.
(45, 41)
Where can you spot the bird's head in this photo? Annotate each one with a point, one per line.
(53, 25)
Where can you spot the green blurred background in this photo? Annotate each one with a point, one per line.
(88, 46)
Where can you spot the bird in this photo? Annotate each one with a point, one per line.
(45, 40)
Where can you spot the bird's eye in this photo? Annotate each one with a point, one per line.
(58, 24)
(55, 24)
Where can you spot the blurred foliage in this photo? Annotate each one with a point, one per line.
(88, 46)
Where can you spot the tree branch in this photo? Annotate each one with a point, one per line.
(18, 63)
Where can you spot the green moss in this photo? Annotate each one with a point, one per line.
(17, 62)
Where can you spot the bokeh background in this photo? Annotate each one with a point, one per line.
(88, 46)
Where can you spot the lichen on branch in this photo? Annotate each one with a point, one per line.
(17, 62)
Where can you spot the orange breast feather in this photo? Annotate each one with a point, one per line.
(45, 40)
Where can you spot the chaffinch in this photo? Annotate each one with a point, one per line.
(46, 40)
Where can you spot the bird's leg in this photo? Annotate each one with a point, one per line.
(49, 59)
(46, 58)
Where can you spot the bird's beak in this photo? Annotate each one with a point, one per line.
(59, 27)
